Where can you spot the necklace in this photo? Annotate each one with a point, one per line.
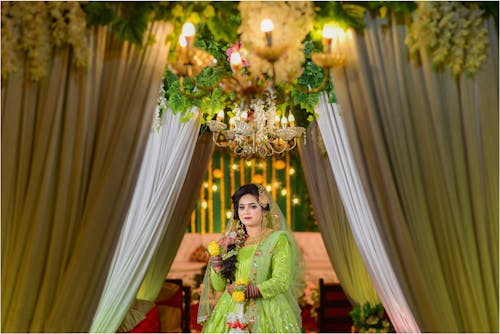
(258, 238)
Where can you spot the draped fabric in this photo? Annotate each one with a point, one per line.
(426, 148)
(361, 218)
(181, 216)
(332, 220)
(162, 175)
(72, 145)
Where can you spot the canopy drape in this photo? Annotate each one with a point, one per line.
(72, 145)
(332, 220)
(177, 225)
(426, 148)
(361, 218)
(163, 172)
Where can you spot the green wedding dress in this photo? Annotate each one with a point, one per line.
(268, 262)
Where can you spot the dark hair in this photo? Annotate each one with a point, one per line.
(229, 264)
(251, 189)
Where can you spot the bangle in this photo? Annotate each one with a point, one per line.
(253, 291)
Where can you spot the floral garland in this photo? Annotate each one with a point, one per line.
(34, 28)
(453, 32)
(237, 321)
(239, 290)
(239, 236)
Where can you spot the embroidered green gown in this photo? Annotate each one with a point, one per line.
(269, 264)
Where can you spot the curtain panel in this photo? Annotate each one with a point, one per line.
(426, 148)
(163, 172)
(361, 218)
(72, 145)
(179, 220)
(332, 220)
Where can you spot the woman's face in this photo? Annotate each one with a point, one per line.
(249, 211)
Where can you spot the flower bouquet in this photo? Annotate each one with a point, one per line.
(237, 322)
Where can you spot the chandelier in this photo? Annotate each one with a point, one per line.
(254, 127)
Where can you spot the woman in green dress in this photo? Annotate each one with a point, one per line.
(255, 272)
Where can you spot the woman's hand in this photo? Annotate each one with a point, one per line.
(226, 241)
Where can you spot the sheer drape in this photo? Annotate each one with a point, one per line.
(176, 226)
(72, 145)
(332, 220)
(361, 218)
(166, 160)
(426, 147)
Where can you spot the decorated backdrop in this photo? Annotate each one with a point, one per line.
(282, 176)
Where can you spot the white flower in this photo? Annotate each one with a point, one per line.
(453, 32)
(35, 28)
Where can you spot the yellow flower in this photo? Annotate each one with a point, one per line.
(241, 281)
(213, 248)
(238, 296)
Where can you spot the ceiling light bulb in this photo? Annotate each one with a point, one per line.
(182, 41)
(266, 25)
(220, 115)
(188, 29)
(235, 58)
(329, 31)
(284, 121)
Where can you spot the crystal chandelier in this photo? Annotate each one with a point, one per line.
(254, 127)
(256, 130)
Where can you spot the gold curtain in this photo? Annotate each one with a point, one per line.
(426, 147)
(72, 146)
(332, 221)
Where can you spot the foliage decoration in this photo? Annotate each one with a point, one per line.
(371, 319)
(217, 29)
(345, 14)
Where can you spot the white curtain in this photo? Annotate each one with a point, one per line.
(166, 161)
(360, 217)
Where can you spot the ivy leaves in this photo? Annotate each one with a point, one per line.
(129, 22)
